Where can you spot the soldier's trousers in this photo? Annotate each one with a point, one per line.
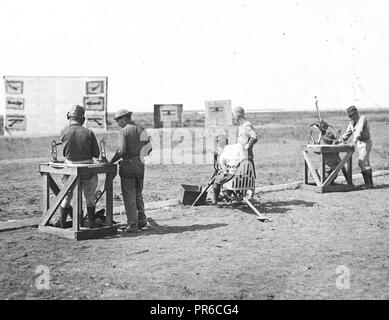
(132, 176)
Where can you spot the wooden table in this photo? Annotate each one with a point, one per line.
(320, 184)
(74, 184)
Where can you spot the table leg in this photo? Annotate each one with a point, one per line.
(305, 172)
(322, 168)
(109, 199)
(350, 170)
(77, 215)
(46, 193)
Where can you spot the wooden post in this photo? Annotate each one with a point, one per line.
(322, 168)
(305, 172)
(109, 198)
(45, 193)
(77, 215)
(350, 170)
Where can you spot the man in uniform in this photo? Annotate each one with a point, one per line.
(79, 146)
(228, 162)
(360, 129)
(246, 135)
(132, 147)
(246, 131)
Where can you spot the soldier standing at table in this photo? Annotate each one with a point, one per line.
(359, 127)
(79, 146)
(132, 141)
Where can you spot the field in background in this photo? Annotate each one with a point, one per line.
(208, 252)
(277, 157)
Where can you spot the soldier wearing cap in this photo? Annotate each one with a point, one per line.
(133, 141)
(246, 135)
(79, 146)
(360, 129)
(246, 131)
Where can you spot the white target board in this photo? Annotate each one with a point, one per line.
(37, 106)
(218, 113)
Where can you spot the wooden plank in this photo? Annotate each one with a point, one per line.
(53, 186)
(311, 168)
(78, 235)
(339, 188)
(17, 224)
(279, 187)
(63, 233)
(77, 215)
(74, 169)
(338, 167)
(68, 186)
(45, 193)
(106, 168)
(350, 170)
(312, 187)
(57, 170)
(109, 198)
(95, 233)
(260, 215)
(305, 172)
(329, 148)
(322, 168)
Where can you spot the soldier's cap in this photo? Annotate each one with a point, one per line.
(239, 110)
(351, 110)
(329, 137)
(122, 113)
(76, 112)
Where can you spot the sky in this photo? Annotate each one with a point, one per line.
(276, 54)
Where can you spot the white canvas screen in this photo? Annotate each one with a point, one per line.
(218, 113)
(37, 106)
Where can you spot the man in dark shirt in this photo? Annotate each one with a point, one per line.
(133, 145)
(79, 146)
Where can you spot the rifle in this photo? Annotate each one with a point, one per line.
(215, 166)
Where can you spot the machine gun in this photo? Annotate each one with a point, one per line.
(322, 126)
(54, 145)
(103, 155)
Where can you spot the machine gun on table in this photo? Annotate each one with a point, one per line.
(323, 127)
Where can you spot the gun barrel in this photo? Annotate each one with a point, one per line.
(317, 109)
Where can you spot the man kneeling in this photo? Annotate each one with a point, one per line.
(228, 161)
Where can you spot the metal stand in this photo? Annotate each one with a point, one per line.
(320, 184)
(74, 183)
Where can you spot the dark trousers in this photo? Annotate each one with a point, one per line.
(131, 174)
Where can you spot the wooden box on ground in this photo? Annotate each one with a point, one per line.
(189, 193)
(321, 183)
(73, 184)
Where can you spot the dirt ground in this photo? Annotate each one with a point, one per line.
(207, 252)
(218, 253)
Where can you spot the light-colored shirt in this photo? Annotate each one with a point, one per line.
(247, 134)
(131, 139)
(360, 129)
(231, 156)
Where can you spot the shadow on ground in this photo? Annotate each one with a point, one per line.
(381, 186)
(154, 228)
(271, 207)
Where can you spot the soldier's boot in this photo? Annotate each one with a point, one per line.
(70, 212)
(61, 222)
(365, 179)
(370, 177)
(91, 217)
(216, 192)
